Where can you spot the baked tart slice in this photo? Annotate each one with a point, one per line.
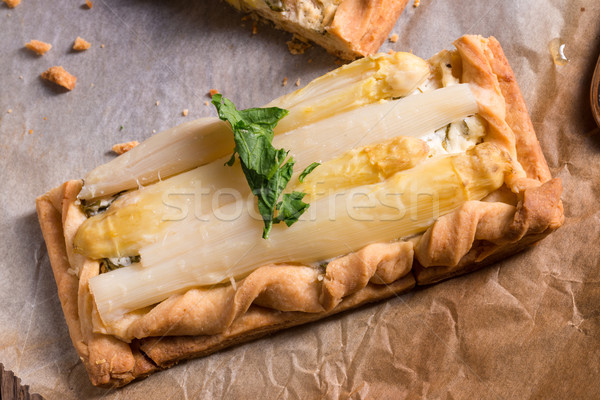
(383, 174)
(345, 28)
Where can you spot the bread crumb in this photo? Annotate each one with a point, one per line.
(98, 362)
(38, 46)
(45, 118)
(157, 102)
(582, 9)
(297, 45)
(212, 92)
(184, 112)
(12, 3)
(89, 4)
(9, 110)
(206, 103)
(21, 77)
(122, 148)
(284, 83)
(298, 82)
(417, 3)
(309, 60)
(81, 44)
(394, 38)
(30, 131)
(390, 51)
(254, 28)
(91, 85)
(102, 46)
(58, 75)
(153, 130)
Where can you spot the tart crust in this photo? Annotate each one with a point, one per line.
(475, 235)
(358, 27)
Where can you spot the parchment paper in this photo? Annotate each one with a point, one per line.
(527, 327)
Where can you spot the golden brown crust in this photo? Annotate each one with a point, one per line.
(12, 3)
(49, 210)
(483, 232)
(107, 360)
(364, 25)
(257, 322)
(81, 44)
(122, 148)
(529, 152)
(473, 236)
(38, 46)
(60, 76)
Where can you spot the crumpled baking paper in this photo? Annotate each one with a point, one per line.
(527, 327)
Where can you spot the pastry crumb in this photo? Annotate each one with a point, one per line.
(102, 46)
(254, 28)
(284, 82)
(98, 362)
(390, 51)
(297, 45)
(212, 92)
(30, 131)
(38, 46)
(9, 110)
(206, 103)
(153, 130)
(91, 85)
(309, 60)
(121, 148)
(157, 102)
(582, 9)
(12, 3)
(21, 77)
(58, 75)
(393, 38)
(298, 82)
(81, 44)
(417, 3)
(89, 4)
(184, 112)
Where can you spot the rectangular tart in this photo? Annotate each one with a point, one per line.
(450, 138)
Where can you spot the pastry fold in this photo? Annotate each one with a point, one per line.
(272, 297)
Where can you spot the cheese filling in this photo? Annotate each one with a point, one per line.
(314, 14)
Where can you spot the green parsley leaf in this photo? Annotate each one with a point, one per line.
(290, 208)
(265, 167)
(307, 171)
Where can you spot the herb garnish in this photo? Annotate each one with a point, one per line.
(265, 167)
(307, 171)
